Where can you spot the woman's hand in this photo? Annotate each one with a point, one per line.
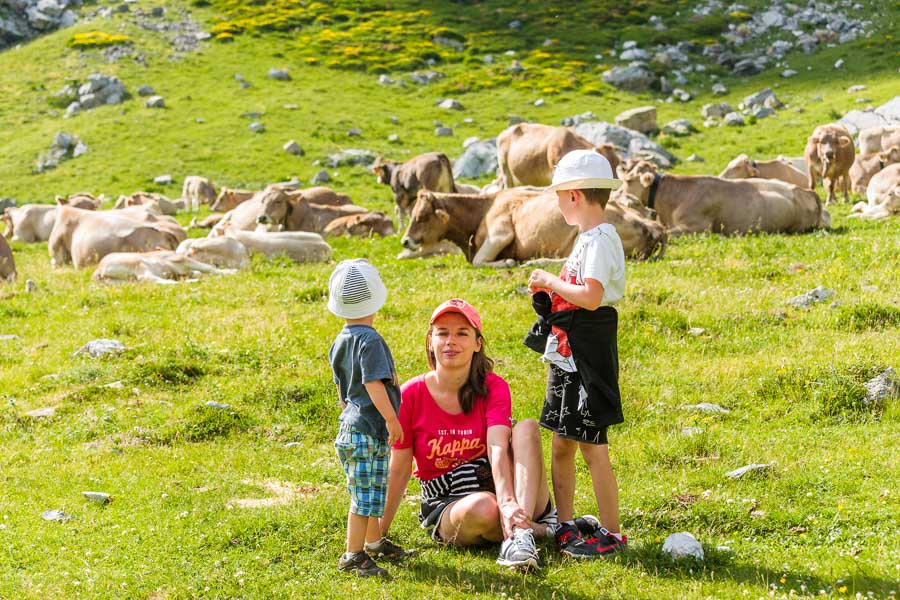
(540, 279)
(513, 515)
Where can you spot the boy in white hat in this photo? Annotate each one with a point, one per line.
(370, 398)
(577, 327)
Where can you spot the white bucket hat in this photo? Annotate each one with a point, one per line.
(355, 289)
(582, 170)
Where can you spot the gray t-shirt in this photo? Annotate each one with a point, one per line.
(359, 355)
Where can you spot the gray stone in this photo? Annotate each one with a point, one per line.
(80, 148)
(787, 73)
(636, 77)
(760, 98)
(814, 296)
(294, 148)
(633, 142)
(539, 102)
(734, 119)
(395, 120)
(55, 515)
(779, 48)
(578, 119)
(695, 158)
(839, 63)
(449, 42)
(426, 77)
(747, 67)
(100, 347)
(217, 405)
(515, 67)
(393, 139)
(882, 388)
(7, 203)
(349, 158)
(279, 74)
(515, 24)
(857, 120)
(762, 112)
(707, 408)
(30, 286)
(320, 177)
(443, 132)
(98, 497)
(41, 413)
(629, 44)
(719, 89)
(155, 102)
(385, 80)
(450, 104)
(163, 179)
(683, 545)
(716, 110)
(679, 128)
(642, 118)
(256, 127)
(354, 132)
(890, 111)
(63, 140)
(681, 95)
(146, 90)
(635, 54)
(691, 431)
(751, 468)
(480, 158)
(488, 59)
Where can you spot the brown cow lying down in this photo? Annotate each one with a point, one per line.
(34, 222)
(430, 171)
(159, 266)
(866, 165)
(196, 191)
(883, 194)
(155, 203)
(878, 138)
(7, 263)
(221, 251)
(83, 237)
(829, 154)
(299, 246)
(527, 153)
(742, 167)
(363, 224)
(242, 217)
(695, 204)
(229, 199)
(293, 212)
(517, 224)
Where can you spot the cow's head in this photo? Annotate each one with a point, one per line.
(384, 170)
(827, 142)
(275, 207)
(224, 201)
(740, 168)
(636, 183)
(611, 153)
(429, 222)
(366, 224)
(890, 156)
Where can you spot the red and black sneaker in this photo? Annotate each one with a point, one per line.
(570, 543)
(605, 543)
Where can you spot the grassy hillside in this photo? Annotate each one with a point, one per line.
(822, 520)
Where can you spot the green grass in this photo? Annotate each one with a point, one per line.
(824, 517)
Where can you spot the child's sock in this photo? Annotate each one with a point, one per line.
(618, 536)
(376, 546)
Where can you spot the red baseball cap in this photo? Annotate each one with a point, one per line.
(455, 305)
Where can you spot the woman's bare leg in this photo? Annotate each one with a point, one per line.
(472, 520)
(532, 490)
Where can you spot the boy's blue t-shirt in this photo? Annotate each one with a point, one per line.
(359, 355)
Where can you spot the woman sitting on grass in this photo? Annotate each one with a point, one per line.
(482, 480)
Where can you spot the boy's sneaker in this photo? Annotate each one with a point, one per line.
(388, 550)
(606, 543)
(519, 550)
(361, 564)
(588, 525)
(570, 543)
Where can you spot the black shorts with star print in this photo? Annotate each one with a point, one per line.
(568, 410)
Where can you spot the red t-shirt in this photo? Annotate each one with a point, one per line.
(441, 441)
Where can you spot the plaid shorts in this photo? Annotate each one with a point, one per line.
(365, 461)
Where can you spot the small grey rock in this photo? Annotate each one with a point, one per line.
(293, 444)
(146, 90)
(279, 74)
(55, 515)
(30, 286)
(80, 148)
(321, 177)
(755, 467)
(41, 413)
(101, 347)
(155, 102)
(719, 89)
(256, 127)
(98, 497)
(539, 102)
(217, 405)
(515, 24)
(683, 545)
(443, 132)
(839, 63)
(294, 148)
(163, 179)
(695, 158)
(814, 296)
(395, 120)
(691, 431)
(393, 139)
(354, 132)
(707, 407)
(8, 337)
(450, 104)
(385, 80)
(679, 128)
(855, 88)
(734, 119)
(695, 331)
(884, 387)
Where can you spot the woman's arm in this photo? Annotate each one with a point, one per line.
(398, 477)
(511, 514)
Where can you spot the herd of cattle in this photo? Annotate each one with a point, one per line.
(508, 221)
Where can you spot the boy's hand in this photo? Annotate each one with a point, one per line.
(395, 432)
(540, 279)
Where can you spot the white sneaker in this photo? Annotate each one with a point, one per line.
(519, 551)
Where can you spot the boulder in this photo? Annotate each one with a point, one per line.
(642, 118)
(760, 98)
(321, 177)
(155, 102)
(636, 77)
(146, 90)
(350, 158)
(443, 131)
(857, 120)
(890, 110)
(634, 143)
(716, 111)
(734, 119)
(479, 159)
(679, 128)
(450, 104)
(884, 387)
(294, 148)
(101, 347)
(814, 296)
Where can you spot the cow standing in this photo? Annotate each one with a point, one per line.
(829, 154)
(431, 171)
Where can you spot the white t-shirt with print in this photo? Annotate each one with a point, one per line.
(598, 255)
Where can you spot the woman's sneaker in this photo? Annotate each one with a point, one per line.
(388, 550)
(570, 543)
(361, 564)
(519, 550)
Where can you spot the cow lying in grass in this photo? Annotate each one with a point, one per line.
(159, 266)
(83, 237)
(516, 225)
(865, 166)
(743, 167)
(883, 195)
(33, 222)
(696, 204)
(233, 249)
(155, 203)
